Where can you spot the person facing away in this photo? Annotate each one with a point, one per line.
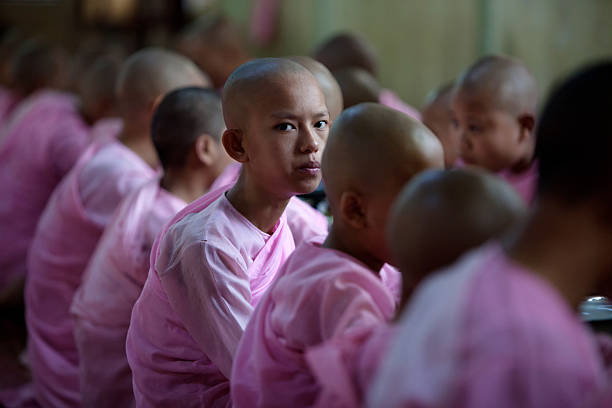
(216, 259)
(494, 112)
(186, 130)
(438, 216)
(46, 135)
(79, 210)
(351, 51)
(500, 327)
(335, 284)
(437, 117)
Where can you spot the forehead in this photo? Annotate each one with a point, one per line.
(294, 92)
(476, 102)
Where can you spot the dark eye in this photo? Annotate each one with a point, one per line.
(285, 127)
(474, 128)
(322, 124)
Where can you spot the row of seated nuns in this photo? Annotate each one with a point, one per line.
(150, 229)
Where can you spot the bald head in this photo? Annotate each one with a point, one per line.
(327, 83)
(438, 118)
(151, 73)
(441, 214)
(182, 116)
(256, 80)
(347, 50)
(503, 82)
(96, 88)
(358, 86)
(38, 65)
(371, 146)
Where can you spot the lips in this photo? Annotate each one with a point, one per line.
(310, 168)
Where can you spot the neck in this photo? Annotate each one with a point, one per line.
(258, 206)
(562, 246)
(137, 138)
(342, 239)
(188, 184)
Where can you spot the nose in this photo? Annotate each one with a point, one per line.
(309, 141)
(466, 142)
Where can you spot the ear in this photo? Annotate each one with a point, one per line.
(154, 104)
(205, 150)
(527, 125)
(233, 141)
(352, 209)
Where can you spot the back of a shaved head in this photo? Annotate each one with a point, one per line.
(152, 72)
(347, 50)
(504, 81)
(358, 86)
(181, 117)
(97, 86)
(38, 65)
(327, 83)
(371, 144)
(252, 81)
(442, 214)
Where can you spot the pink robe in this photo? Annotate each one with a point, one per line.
(209, 269)
(319, 294)
(111, 285)
(41, 143)
(390, 99)
(66, 236)
(525, 183)
(488, 333)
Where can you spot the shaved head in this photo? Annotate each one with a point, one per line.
(181, 117)
(371, 144)
(347, 50)
(327, 83)
(503, 82)
(441, 214)
(358, 86)
(97, 86)
(437, 117)
(38, 65)
(151, 73)
(257, 79)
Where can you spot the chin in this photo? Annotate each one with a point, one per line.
(307, 187)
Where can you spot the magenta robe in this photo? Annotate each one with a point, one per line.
(66, 236)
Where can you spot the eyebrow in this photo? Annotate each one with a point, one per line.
(289, 115)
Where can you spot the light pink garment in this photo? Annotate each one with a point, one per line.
(488, 333)
(524, 183)
(41, 144)
(319, 294)
(112, 282)
(66, 236)
(390, 99)
(209, 268)
(345, 365)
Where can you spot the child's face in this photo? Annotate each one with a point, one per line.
(285, 136)
(489, 137)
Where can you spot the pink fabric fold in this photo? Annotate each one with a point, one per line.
(66, 236)
(487, 332)
(209, 267)
(525, 183)
(41, 143)
(390, 99)
(318, 294)
(112, 282)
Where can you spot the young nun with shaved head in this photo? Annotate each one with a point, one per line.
(214, 261)
(186, 131)
(494, 112)
(79, 210)
(500, 327)
(46, 135)
(335, 284)
(436, 218)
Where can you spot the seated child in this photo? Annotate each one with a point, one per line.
(494, 112)
(214, 261)
(499, 328)
(437, 217)
(348, 50)
(186, 131)
(437, 117)
(46, 135)
(79, 210)
(332, 285)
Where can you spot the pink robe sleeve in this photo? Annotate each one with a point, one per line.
(67, 147)
(210, 290)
